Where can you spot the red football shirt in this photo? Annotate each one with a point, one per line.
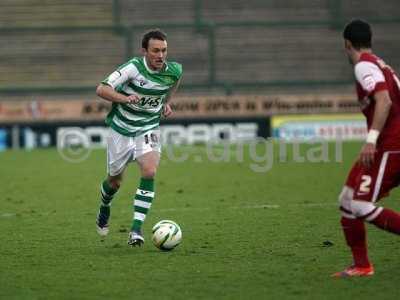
(373, 75)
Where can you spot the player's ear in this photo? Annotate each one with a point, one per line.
(347, 44)
(144, 51)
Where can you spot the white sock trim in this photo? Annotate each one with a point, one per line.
(141, 203)
(374, 215)
(348, 216)
(139, 216)
(145, 193)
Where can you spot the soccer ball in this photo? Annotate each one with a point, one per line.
(166, 235)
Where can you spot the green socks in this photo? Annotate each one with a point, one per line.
(142, 202)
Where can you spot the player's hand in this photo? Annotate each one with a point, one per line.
(167, 110)
(367, 154)
(132, 99)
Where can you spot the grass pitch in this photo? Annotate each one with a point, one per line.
(246, 234)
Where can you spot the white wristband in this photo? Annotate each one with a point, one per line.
(372, 136)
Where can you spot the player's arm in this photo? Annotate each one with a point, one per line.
(381, 113)
(108, 93)
(372, 80)
(382, 109)
(106, 89)
(167, 110)
(172, 91)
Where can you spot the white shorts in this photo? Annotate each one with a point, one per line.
(123, 149)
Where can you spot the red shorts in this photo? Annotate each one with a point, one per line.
(374, 183)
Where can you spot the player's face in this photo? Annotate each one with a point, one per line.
(156, 53)
(347, 49)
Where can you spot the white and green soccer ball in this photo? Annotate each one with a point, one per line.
(166, 235)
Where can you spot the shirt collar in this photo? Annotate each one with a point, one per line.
(165, 68)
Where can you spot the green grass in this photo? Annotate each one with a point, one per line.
(246, 235)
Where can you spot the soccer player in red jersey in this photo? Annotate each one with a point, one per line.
(377, 169)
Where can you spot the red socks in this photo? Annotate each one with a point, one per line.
(388, 220)
(354, 231)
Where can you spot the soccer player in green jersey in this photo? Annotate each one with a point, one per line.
(140, 91)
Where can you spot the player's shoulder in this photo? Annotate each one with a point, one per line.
(175, 68)
(131, 65)
(368, 57)
(136, 61)
(367, 64)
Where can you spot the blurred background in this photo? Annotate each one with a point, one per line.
(265, 62)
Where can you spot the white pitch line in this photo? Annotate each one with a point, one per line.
(258, 206)
(7, 215)
(183, 209)
(316, 204)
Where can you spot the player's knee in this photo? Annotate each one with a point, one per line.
(362, 208)
(345, 198)
(115, 183)
(149, 172)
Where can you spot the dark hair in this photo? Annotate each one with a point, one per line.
(156, 34)
(359, 33)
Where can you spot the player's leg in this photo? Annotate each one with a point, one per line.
(144, 196)
(108, 189)
(148, 158)
(375, 184)
(353, 229)
(387, 219)
(358, 206)
(119, 153)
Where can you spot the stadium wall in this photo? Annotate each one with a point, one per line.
(32, 124)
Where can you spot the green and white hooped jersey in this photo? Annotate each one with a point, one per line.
(135, 77)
